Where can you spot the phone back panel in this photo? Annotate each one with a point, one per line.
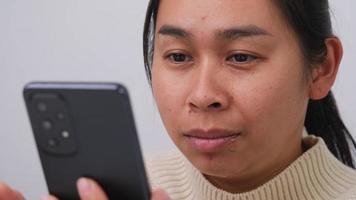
(86, 130)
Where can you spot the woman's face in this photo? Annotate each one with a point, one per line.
(230, 84)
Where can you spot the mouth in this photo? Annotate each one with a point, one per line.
(211, 140)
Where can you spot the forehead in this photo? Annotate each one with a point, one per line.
(205, 16)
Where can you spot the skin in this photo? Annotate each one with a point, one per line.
(203, 88)
(88, 190)
(209, 80)
(8, 193)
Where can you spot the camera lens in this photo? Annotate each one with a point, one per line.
(60, 116)
(52, 142)
(46, 125)
(42, 107)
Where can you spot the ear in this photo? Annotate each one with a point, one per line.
(324, 74)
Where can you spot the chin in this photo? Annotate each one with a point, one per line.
(215, 164)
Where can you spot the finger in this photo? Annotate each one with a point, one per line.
(5, 190)
(7, 193)
(160, 194)
(19, 195)
(49, 197)
(90, 190)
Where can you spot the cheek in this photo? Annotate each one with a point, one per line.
(271, 100)
(168, 96)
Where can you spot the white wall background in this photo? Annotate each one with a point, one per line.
(93, 40)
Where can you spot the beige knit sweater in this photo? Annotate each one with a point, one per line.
(315, 175)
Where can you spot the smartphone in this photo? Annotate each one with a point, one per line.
(86, 130)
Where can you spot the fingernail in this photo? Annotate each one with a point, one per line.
(84, 186)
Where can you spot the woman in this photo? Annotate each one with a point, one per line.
(239, 85)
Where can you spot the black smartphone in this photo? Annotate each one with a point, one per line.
(86, 130)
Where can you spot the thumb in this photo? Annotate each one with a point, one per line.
(160, 194)
(90, 190)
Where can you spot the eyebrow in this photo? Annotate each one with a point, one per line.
(225, 34)
(174, 31)
(242, 31)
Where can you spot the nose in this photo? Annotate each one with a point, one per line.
(208, 92)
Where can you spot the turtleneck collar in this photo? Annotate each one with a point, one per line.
(316, 174)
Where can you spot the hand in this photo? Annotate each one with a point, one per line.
(87, 189)
(8, 193)
(160, 194)
(90, 190)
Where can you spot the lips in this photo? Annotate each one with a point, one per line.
(210, 140)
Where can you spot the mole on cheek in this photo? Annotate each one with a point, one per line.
(203, 18)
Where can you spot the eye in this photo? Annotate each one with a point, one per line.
(241, 58)
(179, 57)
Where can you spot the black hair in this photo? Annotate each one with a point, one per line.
(310, 20)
